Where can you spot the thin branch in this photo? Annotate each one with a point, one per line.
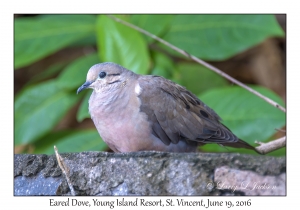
(64, 169)
(280, 130)
(194, 58)
(265, 148)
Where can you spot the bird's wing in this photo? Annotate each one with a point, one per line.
(176, 113)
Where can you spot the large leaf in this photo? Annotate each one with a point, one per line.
(120, 44)
(86, 41)
(83, 111)
(37, 37)
(248, 116)
(74, 75)
(155, 24)
(39, 108)
(163, 65)
(88, 140)
(218, 37)
(47, 73)
(197, 78)
(47, 141)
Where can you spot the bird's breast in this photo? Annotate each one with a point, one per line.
(119, 121)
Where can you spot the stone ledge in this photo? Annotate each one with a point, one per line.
(150, 173)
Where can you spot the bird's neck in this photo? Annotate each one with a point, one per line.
(109, 102)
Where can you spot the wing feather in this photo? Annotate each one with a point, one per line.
(177, 114)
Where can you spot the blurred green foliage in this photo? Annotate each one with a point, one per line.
(41, 104)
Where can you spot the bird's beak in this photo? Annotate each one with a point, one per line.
(84, 86)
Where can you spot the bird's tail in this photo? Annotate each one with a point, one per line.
(241, 144)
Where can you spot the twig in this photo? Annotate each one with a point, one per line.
(281, 130)
(64, 169)
(194, 58)
(265, 148)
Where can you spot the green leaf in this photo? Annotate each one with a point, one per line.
(79, 141)
(37, 37)
(87, 41)
(49, 72)
(47, 141)
(248, 116)
(83, 111)
(122, 45)
(39, 108)
(197, 78)
(218, 37)
(74, 75)
(163, 65)
(155, 24)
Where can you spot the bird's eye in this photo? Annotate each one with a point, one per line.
(102, 74)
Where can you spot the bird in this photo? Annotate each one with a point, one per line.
(135, 112)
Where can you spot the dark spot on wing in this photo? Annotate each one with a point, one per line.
(204, 114)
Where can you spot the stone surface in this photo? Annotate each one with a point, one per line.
(148, 173)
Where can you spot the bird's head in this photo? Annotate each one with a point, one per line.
(104, 77)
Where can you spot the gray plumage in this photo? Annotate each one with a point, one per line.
(136, 112)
